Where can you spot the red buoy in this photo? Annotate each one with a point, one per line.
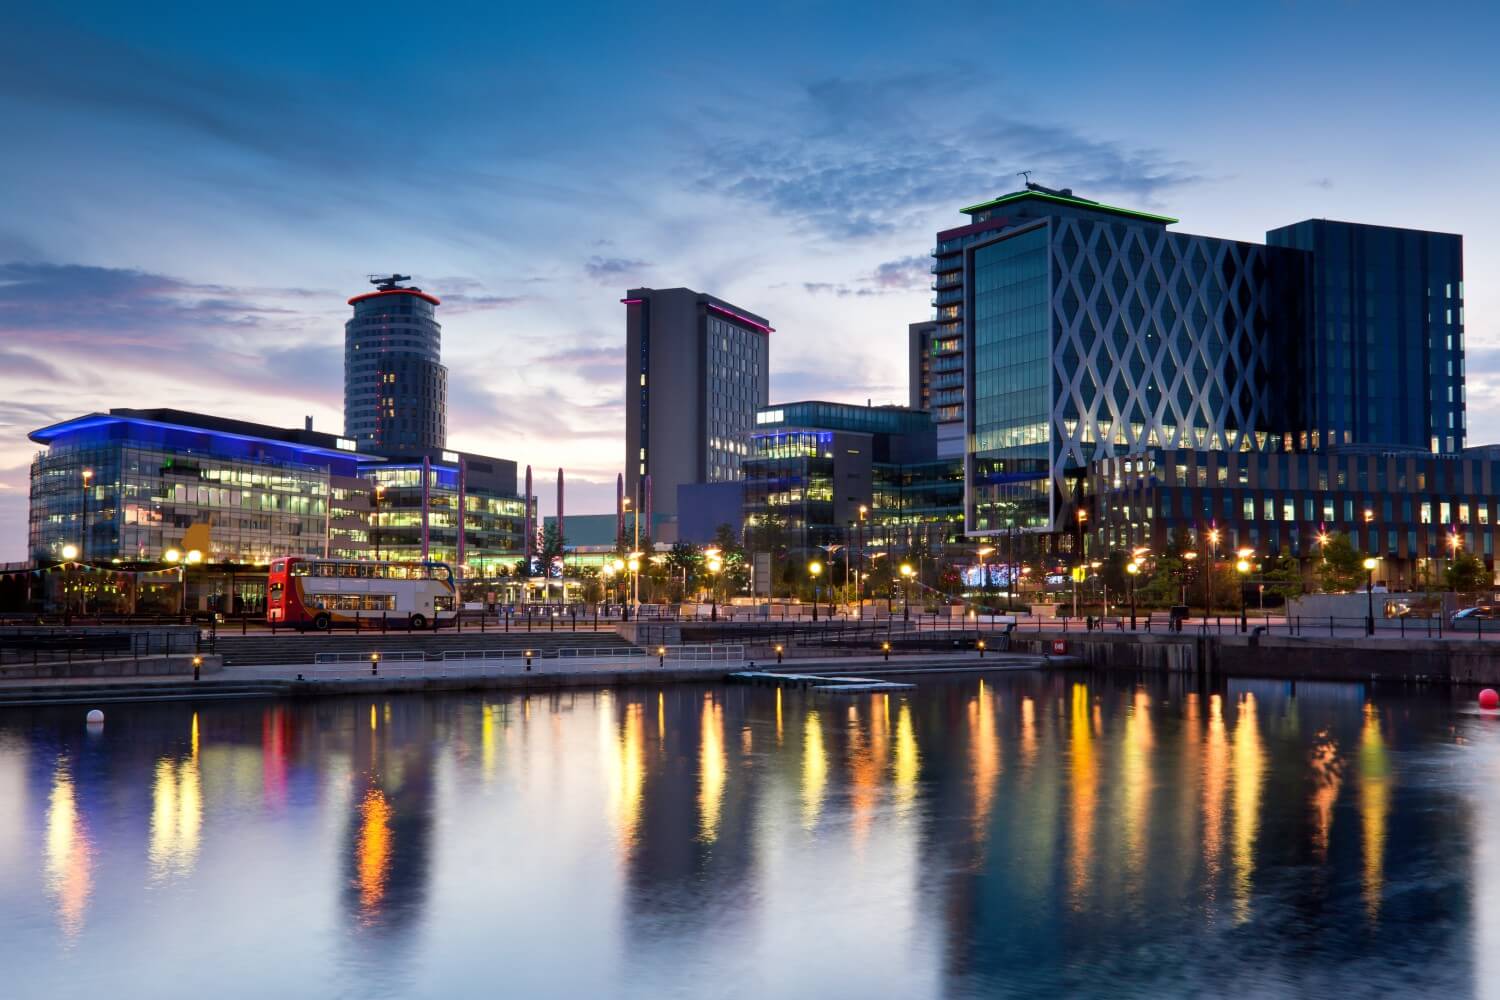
(1489, 698)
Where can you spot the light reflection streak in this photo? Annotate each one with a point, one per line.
(1028, 731)
(625, 768)
(712, 768)
(373, 854)
(70, 855)
(176, 814)
(1374, 808)
(1084, 788)
(487, 742)
(1136, 765)
(1249, 770)
(1215, 782)
(1328, 777)
(867, 756)
(984, 749)
(908, 763)
(814, 769)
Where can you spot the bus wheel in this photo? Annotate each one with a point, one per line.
(322, 622)
(418, 623)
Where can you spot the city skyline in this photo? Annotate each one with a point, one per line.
(266, 176)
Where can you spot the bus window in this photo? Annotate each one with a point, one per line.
(301, 569)
(277, 567)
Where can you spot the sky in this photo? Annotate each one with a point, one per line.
(190, 193)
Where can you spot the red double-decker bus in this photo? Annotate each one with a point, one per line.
(307, 592)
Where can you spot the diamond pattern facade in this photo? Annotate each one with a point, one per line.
(1155, 339)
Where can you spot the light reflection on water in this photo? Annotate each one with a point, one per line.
(1084, 835)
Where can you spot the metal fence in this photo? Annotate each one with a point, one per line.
(70, 645)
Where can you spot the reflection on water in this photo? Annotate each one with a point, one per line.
(1004, 836)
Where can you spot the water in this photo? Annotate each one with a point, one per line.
(1012, 836)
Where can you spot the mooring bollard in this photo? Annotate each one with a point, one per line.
(980, 644)
(886, 648)
(778, 652)
(197, 665)
(374, 664)
(528, 661)
(661, 656)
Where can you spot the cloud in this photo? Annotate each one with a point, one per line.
(907, 274)
(859, 158)
(611, 270)
(601, 364)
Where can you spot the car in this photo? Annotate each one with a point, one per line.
(1480, 612)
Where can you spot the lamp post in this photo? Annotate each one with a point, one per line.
(815, 569)
(83, 535)
(1242, 567)
(182, 560)
(984, 574)
(1190, 556)
(715, 564)
(906, 573)
(1132, 568)
(1370, 595)
(859, 576)
(1208, 578)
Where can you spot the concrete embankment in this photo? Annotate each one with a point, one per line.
(296, 681)
(1448, 660)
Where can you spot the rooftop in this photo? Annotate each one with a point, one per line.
(1066, 197)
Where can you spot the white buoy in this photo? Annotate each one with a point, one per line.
(95, 717)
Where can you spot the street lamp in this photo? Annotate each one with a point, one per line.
(1370, 595)
(984, 572)
(182, 560)
(1208, 579)
(815, 569)
(378, 496)
(1242, 567)
(715, 564)
(1133, 569)
(906, 574)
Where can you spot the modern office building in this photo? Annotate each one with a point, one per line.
(819, 472)
(933, 366)
(1382, 360)
(1409, 509)
(395, 385)
(129, 485)
(696, 370)
(417, 499)
(1093, 332)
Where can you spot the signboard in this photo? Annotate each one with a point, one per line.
(1080, 574)
(1059, 647)
(760, 575)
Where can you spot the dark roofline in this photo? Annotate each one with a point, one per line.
(1084, 203)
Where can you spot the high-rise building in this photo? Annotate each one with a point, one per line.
(931, 370)
(1094, 333)
(696, 370)
(1382, 363)
(395, 385)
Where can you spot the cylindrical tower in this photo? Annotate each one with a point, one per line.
(395, 385)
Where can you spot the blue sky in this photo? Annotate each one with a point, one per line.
(189, 193)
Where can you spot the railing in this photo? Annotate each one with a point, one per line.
(397, 655)
(475, 662)
(69, 645)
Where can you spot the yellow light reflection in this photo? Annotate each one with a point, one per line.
(1249, 771)
(867, 761)
(1327, 778)
(661, 718)
(1215, 781)
(984, 753)
(625, 768)
(373, 854)
(1136, 767)
(1084, 788)
(908, 758)
(712, 768)
(487, 741)
(1374, 807)
(814, 769)
(1028, 731)
(778, 717)
(373, 717)
(176, 818)
(69, 868)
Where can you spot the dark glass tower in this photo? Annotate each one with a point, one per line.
(395, 385)
(1382, 357)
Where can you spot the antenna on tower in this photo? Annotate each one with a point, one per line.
(1025, 174)
(388, 282)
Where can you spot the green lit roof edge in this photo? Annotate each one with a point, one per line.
(1079, 202)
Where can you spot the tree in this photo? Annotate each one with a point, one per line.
(1466, 573)
(683, 560)
(1341, 568)
(553, 547)
(1283, 578)
(735, 576)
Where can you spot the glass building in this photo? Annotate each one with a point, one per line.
(417, 500)
(1383, 359)
(395, 385)
(165, 479)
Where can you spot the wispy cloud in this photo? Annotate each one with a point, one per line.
(615, 270)
(858, 158)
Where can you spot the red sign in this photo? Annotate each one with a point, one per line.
(1059, 646)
